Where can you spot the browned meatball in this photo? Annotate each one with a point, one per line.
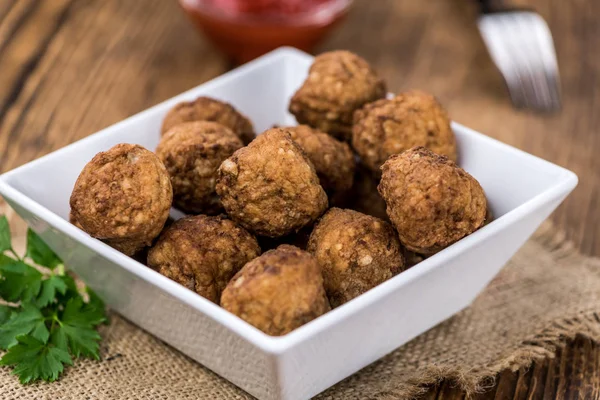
(298, 239)
(489, 217)
(364, 196)
(192, 152)
(391, 126)
(123, 197)
(430, 200)
(208, 109)
(270, 187)
(411, 258)
(74, 221)
(333, 160)
(338, 83)
(203, 253)
(356, 251)
(278, 291)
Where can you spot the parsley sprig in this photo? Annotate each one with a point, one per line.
(45, 319)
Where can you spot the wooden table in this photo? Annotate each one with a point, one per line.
(71, 67)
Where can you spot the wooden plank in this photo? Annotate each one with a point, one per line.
(538, 380)
(584, 377)
(5, 7)
(109, 60)
(552, 376)
(449, 391)
(523, 385)
(24, 38)
(432, 393)
(12, 15)
(506, 385)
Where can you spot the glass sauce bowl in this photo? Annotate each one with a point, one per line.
(246, 29)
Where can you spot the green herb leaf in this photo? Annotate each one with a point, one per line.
(5, 313)
(39, 251)
(40, 332)
(4, 234)
(34, 360)
(82, 341)
(8, 264)
(59, 339)
(71, 292)
(21, 282)
(95, 301)
(6, 260)
(51, 286)
(78, 323)
(78, 313)
(52, 322)
(95, 309)
(28, 319)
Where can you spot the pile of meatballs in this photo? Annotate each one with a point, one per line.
(283, 226)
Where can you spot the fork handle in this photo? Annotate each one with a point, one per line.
(490, 6)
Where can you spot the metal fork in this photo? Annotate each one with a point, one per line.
(520, 44)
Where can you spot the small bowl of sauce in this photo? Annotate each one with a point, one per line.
(246, 29)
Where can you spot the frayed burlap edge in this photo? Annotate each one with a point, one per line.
(541, 346)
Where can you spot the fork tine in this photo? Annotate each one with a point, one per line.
(518, 89)
(521, 46)
(531, 95)
(515, 89)
(535, 62)
(553, 83)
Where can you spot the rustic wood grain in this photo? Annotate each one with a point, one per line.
(5, 6)
(524, 381)
(71, 67)
(537, 380)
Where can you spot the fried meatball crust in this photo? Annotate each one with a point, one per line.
(203, 253)
(333, 160)
(356, 252)
(430, 200)
(391, 126)
(338, 83)
(209, 109)
(73, 221)
(364, 196)
(270, 187)
(278, 291)
(298, 239)
(192, 152)
(122, 197)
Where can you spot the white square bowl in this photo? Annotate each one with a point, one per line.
(522, 191)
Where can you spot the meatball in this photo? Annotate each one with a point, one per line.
(270, 187)
(192, 152)
(208, 109)
(364, 196)
(338, 83)
(203, 253)
(333, 160)
(489, 217)
(278, 291)
(391, 126)
(430, 200)
(356, 252)
(73, 221)
(411, 258)
(298, 239)
(122, 197)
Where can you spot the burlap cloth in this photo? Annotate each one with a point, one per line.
(547, 293)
